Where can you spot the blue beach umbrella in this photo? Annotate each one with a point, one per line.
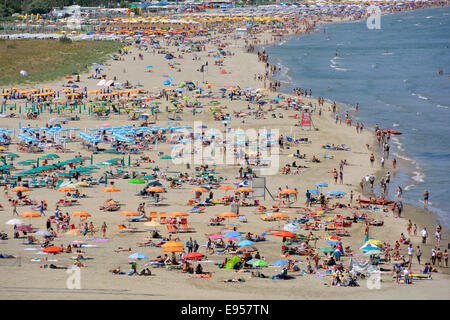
(279, 263)
(335, 193)
(232, 234)
(137, 255)
(322, 184)
(245, 243)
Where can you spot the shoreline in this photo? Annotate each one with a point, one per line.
(407, 165)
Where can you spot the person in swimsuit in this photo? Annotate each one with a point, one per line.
(425, 199)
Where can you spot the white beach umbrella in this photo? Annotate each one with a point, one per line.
(13, 222)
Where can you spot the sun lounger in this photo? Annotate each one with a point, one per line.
(264, 217)
(171, 228)
(136, 218)
(162, 217)
(124, 228)
(186, 228)
(153, 215)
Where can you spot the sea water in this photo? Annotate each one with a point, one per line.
(392, 73)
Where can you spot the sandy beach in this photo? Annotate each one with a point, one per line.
(23, 277)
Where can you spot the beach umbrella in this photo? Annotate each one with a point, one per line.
(289, 191)
(30, 214)
(335, 193)
(199, 189)
(65, 189)
(20, 188)
(172, 244)
(374, 242)
(110, 189)
(26, 228)
(284, 234)
(321, 184)
(258, 263)
(373, 252)
(227, 215)
(225, 187)
(326, 250)
(314, 191)
(174, 249)
(137, 255)
(179, 214)
(12, 155)
(14, 222)
(155, 189)
(279, 263)
(193, 256)
(53, 249)
(231, 234)
(215, 236)
(43, 232)
(245, 243)
(244, 189)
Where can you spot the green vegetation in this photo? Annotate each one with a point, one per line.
(46, 60)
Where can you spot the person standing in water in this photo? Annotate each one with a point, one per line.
(425, 199)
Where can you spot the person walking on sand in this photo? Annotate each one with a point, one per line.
(104, 226)
(410, 253)
(418, 253)
(15, 208)
(438, 237)
(424, 235)
(372, 159)
(445, 256)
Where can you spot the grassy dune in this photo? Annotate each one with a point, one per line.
(46, 60)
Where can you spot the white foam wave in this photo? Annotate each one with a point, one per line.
(339, 69)
(405, 80)
(429, 17)
(402, 157)
(439, 106)
(396, 124)
(419, 177)
(422, 97)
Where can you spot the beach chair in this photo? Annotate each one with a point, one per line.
(124, 228)
(153, 215)
(197, 210)
(162, 217)
(171, 228)
(186, 228)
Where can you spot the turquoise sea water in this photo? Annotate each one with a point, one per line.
(393, 74)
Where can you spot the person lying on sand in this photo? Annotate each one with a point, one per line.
(116, 270)
(234, 280)
(122, 249)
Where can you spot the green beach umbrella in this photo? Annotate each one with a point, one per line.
(260, 263)
(12, 155)
(136, 181)
(326, 250)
